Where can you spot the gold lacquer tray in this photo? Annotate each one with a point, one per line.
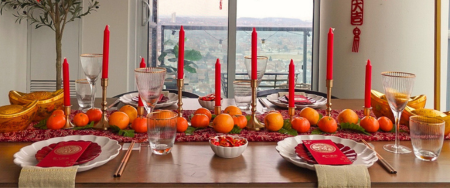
(17, 117)
(380, 106)
(47, 102)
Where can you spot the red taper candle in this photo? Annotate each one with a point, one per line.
(368, 84)
(66, 83)
(142, 65)
(105, 52)
(254, 74)
(330, 54)
(291, 84)
(181, 54)
(218, 86)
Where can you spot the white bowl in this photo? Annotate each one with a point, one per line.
(208, 104)
(228, 152)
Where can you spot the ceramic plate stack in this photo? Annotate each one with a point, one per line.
(319, 101)
(128, 99)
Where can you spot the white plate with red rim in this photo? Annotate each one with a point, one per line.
(286, 148)
(110, 149)
(319, 100)
(128, 99)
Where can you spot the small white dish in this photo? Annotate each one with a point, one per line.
(228, 152)
(208, 104)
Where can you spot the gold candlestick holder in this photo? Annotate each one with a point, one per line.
(291, 111)
(180, 84)
(367, 111)
(103, 123)
(254, 123)
(140, 111)
(67, 112)
(329, 86)
(217, 110)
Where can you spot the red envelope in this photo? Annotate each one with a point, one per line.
(65, 154)
(326, 152)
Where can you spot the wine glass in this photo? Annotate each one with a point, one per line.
(397, 88)
(150, 81)
(92, 66)
(262, 64)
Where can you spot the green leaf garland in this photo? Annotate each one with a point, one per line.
(353, 127)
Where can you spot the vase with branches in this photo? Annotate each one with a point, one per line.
(54, 14)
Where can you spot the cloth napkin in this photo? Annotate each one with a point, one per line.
(32, 176)
(342, 176)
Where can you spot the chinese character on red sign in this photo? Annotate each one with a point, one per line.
(357, 12)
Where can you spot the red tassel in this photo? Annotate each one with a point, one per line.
(356, 39)
(220, 5)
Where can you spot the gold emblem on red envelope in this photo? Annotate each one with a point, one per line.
(68, 150)
(323, 148)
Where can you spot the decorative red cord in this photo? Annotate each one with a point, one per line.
(356, 18)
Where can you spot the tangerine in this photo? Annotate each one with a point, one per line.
(327, 124)
(182, 124)
(130, 111)
(232, 110)
(139, 125)
(204, 111)
(300, 124)
(370, 124)
(80, 119)
(58, 112)
(94, 114)
(273, 121)
(385, 124)
(240, 121)
(163, 114)
(310, 114)
(348, 116)
(56, 121)
(119, 119)
(200, 121)
(223, 123)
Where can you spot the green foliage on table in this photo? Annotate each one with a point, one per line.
(41, 125)
(88, 126)
(353, 127)
(235, 130)
(120, 132)
(190, 130)
(317, 131)
(287, 128)
(189, 57)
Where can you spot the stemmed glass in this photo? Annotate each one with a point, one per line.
(92, 66)
(397, 88)
(150, 82)
(262, 65)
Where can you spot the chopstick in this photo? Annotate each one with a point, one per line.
(381, 159)
(124, 161)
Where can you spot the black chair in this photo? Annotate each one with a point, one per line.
(272, 91)
(185, 94)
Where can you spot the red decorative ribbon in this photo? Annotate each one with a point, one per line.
(356, 39)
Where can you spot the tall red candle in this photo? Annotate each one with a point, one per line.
(105, 52)
(142, 65)
(330, 54)
(254, 55)
(181, 54)
(218, 86)
(368, 84)
(291, 84)
(66, 83)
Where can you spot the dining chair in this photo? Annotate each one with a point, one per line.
(185, 94)
(272, 91)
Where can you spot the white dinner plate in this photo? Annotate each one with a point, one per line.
(286, 148)
(110, 149)
(127, 99)
(320, 101)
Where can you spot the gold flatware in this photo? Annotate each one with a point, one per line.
(124, 161)
(381, 159)
(262, 102)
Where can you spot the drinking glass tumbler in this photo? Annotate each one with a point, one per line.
(427, 137)
(242, 94)
(84, 94)
(161, 130)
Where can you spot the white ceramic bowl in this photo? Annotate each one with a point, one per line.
(208, 104)
(228, 152)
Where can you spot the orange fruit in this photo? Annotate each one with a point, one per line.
(223, 123)
(56, 121)
(80, 119)
(310, 114)
(182, 124)
(119, 119)
(370, 124)
(240, 121)
(300, 124)
(200, 121)
(347, 116)
(273, 121)
(327, 124)
(130, 111)
(94, 114)
(58, 112)
(204, 111)
(385, 124)
(164, 114)
(232, 110)
(139, 125)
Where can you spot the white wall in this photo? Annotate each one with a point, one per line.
(396, 36)
(13, 58)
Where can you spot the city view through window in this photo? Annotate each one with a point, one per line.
(284, 32)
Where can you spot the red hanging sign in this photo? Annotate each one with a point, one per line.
(220, 6)
(356, 18)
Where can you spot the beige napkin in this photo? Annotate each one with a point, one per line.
(31, 176)
(342, 176)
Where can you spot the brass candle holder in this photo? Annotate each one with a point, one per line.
(254, 123)
(103, 123)
(67, 112)
(367, 111)
(329, 86)
(180, 84)
(291, 111)
(140, 111)
(217, 110)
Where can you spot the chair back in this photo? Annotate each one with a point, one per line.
(272, 91)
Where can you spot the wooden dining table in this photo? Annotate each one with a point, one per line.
(194, 164)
